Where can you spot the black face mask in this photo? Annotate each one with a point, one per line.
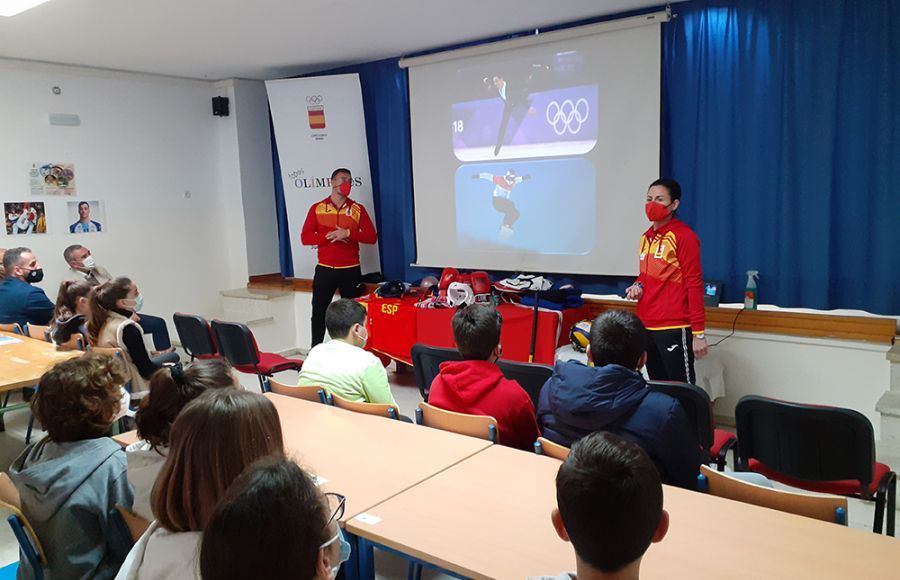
(35, 276)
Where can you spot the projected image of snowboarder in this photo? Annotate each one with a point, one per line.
(503, 187)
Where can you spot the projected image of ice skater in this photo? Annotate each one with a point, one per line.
(516, 99)
(503, 186)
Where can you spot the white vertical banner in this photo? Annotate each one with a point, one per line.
(320, 126)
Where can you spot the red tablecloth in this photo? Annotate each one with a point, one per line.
(395, 325)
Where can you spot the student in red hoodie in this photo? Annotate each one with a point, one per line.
(476, 386)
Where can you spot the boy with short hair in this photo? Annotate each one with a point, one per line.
(341, 365)
(476, 386)
(610, 507)
(613, 396)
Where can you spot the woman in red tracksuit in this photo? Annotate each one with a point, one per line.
(669, 289)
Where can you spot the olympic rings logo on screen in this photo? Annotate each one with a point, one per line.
(314, 100)
(569, 116)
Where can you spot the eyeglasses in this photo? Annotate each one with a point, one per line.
(337, 502)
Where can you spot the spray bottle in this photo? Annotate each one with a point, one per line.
(750, 292)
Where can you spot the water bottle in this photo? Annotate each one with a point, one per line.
(750, 292)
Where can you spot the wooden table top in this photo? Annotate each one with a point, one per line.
(365, 458)
(489, 517)
(22, 363)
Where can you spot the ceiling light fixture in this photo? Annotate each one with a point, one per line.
(13, 7)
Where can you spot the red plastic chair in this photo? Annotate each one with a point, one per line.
(237, 345)
(816, 448)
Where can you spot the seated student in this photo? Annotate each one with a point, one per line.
(83, 268)
(215, 437)
(613, 396)
(2, 269)
(70, 480)
(476, 386)
(610, 507)
(274, 499)
(20, 300)
(341, 365)
(171, 389)
(70, 314)
(111, 325)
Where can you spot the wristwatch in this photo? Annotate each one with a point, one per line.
(700, 335)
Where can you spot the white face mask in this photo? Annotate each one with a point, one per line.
(89, 263)
(365, 338)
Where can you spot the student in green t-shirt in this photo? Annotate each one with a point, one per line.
(341, 365)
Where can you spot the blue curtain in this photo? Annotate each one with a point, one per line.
(782, 122)
(781, 119)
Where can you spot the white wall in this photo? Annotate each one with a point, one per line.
(251, 110)
(843, 373)
(143, 142)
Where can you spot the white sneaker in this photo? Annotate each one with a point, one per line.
(506, 233)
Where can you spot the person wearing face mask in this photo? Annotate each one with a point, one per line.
(669, 289)
(342, 364)
(337, 226)
(111, 326)
(84, 268)
(20, 301)
(276, 500)
(476, 385)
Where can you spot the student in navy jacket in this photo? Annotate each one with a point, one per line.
(20, 301)
(611, 396)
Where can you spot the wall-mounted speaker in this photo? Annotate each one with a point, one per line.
(220, 106)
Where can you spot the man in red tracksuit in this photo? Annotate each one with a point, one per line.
(337, 226)
(669, 289)
(476, 386)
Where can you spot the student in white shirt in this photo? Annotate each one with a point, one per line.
(171, 389)
(214, 438)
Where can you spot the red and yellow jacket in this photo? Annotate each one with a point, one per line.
(325, 217)
(672, 279)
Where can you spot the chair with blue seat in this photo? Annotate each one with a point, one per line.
(237, 345)
(544, 446)
(696, 404)
(377, 409)
(828, 508)
(481, 426)
(816, 448)
(38, 332)
(427, 362)
(14, 328)
(313, 394)
(29, 545)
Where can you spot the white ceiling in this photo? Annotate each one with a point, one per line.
(262, 39)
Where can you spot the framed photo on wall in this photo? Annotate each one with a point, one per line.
(24, 218)
(86, 217)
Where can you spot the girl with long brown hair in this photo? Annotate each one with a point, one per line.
(111, 325)
(214, 438)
